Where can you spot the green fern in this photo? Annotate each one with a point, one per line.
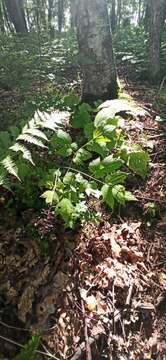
(25, 152)
(10, 166)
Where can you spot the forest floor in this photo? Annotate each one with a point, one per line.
(100, 293)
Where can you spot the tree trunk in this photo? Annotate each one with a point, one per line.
(95, 49)
(2, 25)
(157, 12)
(60, 15)
(16, 14)
(139, 12)
(119, 12)
(113, 16)
(72, 22)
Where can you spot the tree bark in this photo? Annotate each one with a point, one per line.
(95, 49)
(2, 25)
(60, 15)
(113, 16)
(15, 9)
(157, 13)
(119, 12)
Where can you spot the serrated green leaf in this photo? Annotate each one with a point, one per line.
(65, 209)
(129, 196)
(88, 129)
(118, 177)
(99, 137)
(96, 168)
(98, 148)
(81, 156)
(63, 137)
(110, 108)
(68, 178)
(112, 164)
(107, 195)
(118, 192)
(138, 163)
(50, 196)
(71, 100)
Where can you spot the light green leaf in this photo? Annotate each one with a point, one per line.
(68, 178)
(99, 137)
(65, 209)
(110, 108)
(107, 195)
(50, 196)
(118, 192)
(81, 156)
(129, 196)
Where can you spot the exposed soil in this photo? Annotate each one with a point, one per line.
(98, 292)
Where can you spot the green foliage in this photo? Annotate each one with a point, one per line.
(29, 350)
(150, 213)
(95, 164)
(131, 50)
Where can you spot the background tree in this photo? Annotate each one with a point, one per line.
(157, 14)
(95, 48)
(16, 13)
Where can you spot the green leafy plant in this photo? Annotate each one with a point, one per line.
(94, 164)
(29, 350)
(98, 167)
(150, 213)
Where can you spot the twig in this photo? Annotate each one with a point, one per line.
(22, 346)
(128, 299)
(161, 85)
(157, 136)
(150, 199)
(87, 344)
(14, 327)
(113, 303)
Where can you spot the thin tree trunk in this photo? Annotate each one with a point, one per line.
(72, 14)
(16, 14)
(119, 12)
(95, 48)
(157, 12)
(139, 12)
(60, 15)
(2, 25)
(113, 16)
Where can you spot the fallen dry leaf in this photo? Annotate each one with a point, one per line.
(131, 254)
(91, 303)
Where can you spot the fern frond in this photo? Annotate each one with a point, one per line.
(31, 139)
(36, 132)
(25, 152)
(10, 166)
(2, 179)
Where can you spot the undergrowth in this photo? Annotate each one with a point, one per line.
(87, 157)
